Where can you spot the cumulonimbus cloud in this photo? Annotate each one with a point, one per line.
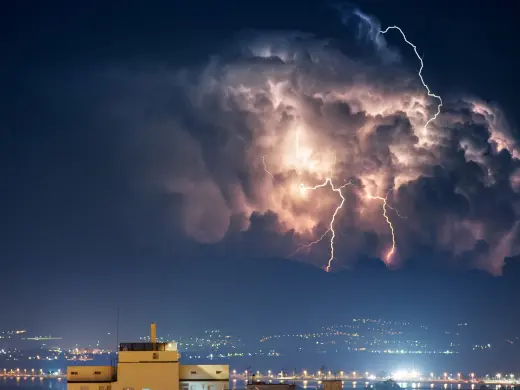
(282, 109)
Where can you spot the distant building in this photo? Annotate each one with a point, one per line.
(270, 386)
(332, 384)
(148, 366)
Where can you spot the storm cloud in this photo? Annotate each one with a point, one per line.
(238, 137)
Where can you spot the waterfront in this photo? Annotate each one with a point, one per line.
(32, 383)
(362, 384)
(35, 383)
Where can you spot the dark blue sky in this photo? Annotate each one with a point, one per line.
(77, 240)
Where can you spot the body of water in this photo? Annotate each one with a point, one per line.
(61, 384)
(11, 383)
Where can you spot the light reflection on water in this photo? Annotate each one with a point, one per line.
(362, 385)
(31, 383)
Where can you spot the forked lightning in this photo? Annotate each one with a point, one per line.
(328, 181)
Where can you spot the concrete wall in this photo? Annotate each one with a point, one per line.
(90, 373)
(148, 356)
(156, 375)
(204, 385)
(90, 386)
(204, 372)
(204, 377)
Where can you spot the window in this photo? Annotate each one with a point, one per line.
(219, 372)
(74, 373)
(193, 372)
(123, 347)
(97, 372)
(156, 355)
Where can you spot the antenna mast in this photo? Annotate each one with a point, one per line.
(117, 330)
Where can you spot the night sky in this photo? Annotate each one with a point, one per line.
(89, 104)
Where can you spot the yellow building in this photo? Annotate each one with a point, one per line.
(148, 366)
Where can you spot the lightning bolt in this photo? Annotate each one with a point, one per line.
(310, 244)
(429, 92)
(391, 252)
(396, 211)
(265, 167)
(328, 181)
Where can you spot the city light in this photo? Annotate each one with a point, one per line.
(353, 333)
(406, 375)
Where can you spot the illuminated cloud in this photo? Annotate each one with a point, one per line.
(281, 110)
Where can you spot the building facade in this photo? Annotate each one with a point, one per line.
(204, 377)
(148, 366)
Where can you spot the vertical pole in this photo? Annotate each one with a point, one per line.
(153, 335)
(117, 330)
